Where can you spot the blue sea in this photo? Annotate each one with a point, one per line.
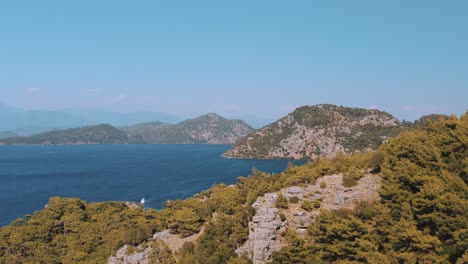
(30, 175)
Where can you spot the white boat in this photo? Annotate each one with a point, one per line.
(142, 201)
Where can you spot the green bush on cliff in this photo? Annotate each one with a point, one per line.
(351, 176)
(281, 202)
(306, 205)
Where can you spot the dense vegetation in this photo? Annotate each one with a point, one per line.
(72, 231)
(370, 136)
(422, 217)
(102, 134)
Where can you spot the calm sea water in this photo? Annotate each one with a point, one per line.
(30, 175)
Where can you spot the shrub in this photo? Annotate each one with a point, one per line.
(281, 202)
(282, 217)
(294, 199)
(349, 182)
(317, 203)
(351, 176)
(306, 205)
(376, 161)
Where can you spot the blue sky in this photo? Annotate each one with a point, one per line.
(237, 58)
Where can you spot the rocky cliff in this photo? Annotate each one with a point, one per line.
(147, 252)
(321, 130)
(269, 225)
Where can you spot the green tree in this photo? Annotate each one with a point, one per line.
(184, 222)
(281, 202)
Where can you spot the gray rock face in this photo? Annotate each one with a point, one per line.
(266, 226)
(138, 257)
(142, 252)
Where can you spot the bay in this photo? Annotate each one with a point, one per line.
(31, 174)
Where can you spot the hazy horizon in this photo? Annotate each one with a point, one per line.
(239, 59)
(175, 118)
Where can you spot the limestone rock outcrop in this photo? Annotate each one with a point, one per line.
(141, 254)
(321, 130)
(267, 227)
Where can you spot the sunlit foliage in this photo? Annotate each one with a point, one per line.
(421, 218)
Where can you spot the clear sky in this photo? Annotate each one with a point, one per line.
(236, 58)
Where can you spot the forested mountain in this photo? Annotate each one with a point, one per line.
(98, 134)
(206, 129)
(404, 203)
(320, 130)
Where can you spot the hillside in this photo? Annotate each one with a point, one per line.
(98, 134)
(143, 132)
(315, 131)
(6, 134)
(206, 129)
(404, 203)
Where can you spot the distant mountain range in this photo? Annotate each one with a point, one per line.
(98, 134)
(28, 122)
(308, 132)
(6, 134)
(320, 130)
(207, 129)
